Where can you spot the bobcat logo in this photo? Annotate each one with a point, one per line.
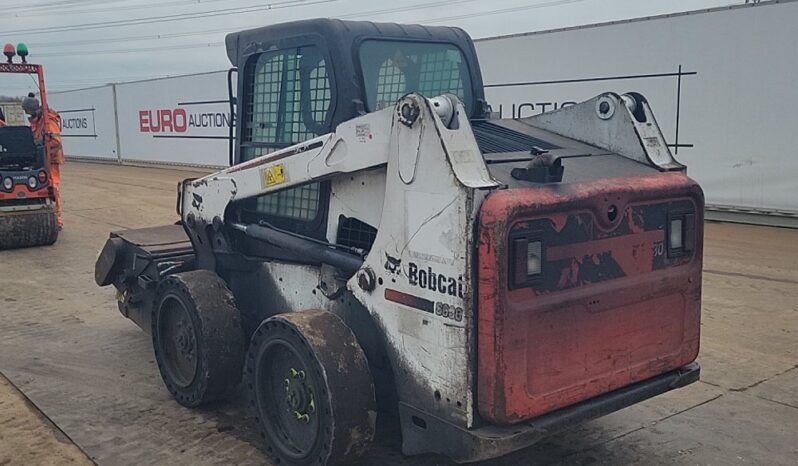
(392, 264)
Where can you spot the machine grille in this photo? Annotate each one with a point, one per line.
(355, 234)
(493, 139)
(300, 203)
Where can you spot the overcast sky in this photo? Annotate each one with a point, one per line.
(84, 43)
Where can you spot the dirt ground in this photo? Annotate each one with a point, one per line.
(28, 437)
(64, 344)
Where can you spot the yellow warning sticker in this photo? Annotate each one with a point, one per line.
(273, 175)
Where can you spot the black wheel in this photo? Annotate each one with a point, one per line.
(197, 337)
(310, 390)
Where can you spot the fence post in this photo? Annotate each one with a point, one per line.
(116, 127)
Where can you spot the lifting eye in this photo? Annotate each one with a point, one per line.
(612, 213)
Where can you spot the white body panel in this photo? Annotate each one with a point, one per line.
(360, 196)
(426, 231)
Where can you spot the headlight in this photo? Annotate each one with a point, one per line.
(42, 177)
(8, 183)
(32, 182)
(526, 262)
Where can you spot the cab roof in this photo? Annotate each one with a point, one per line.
(341, 43)
(339, 33)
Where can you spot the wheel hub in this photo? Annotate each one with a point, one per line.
(184, 339)
(179, 342)
(299, 396)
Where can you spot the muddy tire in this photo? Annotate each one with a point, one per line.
(197, 337)
(310, 390)
(27, 229)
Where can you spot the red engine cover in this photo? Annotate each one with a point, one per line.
(612, 305)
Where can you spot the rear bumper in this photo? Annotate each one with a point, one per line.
(464, 445)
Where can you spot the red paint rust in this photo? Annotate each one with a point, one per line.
(539, 353)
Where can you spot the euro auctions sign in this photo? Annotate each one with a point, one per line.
(180, 121)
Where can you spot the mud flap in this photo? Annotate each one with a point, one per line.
(26, 229)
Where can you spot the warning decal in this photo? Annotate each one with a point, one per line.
(273, 175)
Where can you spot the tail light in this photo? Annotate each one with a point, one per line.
(42, 177)
(527, 260)
(676, 236)
(681, 234)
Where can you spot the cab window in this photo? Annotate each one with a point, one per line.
(288, 99)
(392, 69)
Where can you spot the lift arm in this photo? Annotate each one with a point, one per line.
(355, 145)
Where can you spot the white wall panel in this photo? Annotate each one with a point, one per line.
(182, 120)
(735, 94)
(87, 122)
(738, 94)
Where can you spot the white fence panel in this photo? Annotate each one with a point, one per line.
(87, 122)
(721, 83)
(735, 95)
(181, 120)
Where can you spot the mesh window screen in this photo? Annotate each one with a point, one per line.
(393, 69)
(300, 203)
(320, 94)
(355, 233)
(264, 106)
(391, 85)
(282, 84)
(440, 74)
(274, 116)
